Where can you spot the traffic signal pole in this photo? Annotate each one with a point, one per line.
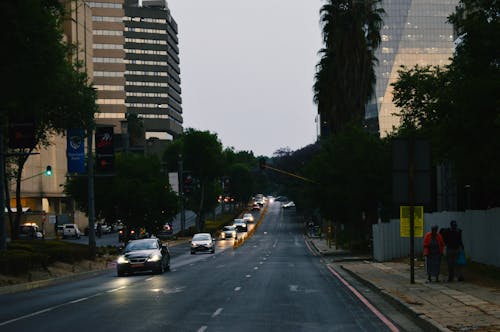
(91, 211)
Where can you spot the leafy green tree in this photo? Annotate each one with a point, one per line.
(139, 194)
(45, 87)
(202, 156)
(345, 77)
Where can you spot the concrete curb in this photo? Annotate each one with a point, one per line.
(50, 282)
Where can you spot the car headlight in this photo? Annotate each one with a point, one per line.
(222, 235)
(154, 258)
(193, 244)
(122, 260)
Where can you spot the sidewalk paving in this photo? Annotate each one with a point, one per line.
(443, 306)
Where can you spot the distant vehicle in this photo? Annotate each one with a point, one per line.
(166, 232)
(202, 242)
(136, 233)
(288, 205)
(143, 255)
(240, 225)
(228, 232)
(248, 217)
(255, 207)
(71, 230)
(30, 231)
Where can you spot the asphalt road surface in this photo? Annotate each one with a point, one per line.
(271, 283)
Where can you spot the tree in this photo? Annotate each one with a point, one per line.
(345, 77)
(457, 107)
(139, 193)
(202, 156)
(45, 87)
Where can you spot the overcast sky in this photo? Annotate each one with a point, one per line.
(247, 70)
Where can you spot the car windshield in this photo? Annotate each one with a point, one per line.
(201, 237)
(229, 228)
(141, 245)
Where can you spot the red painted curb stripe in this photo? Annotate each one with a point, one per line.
(377, 313)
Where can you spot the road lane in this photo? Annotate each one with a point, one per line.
(271, 283)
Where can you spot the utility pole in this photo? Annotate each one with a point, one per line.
(91, 212)
(181, 195)
(3, 228)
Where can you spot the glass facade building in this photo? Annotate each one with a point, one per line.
(414, 32)
(152, 76)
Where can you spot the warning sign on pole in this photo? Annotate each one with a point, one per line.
(404, 221)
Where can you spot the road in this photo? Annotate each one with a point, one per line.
(271, 283)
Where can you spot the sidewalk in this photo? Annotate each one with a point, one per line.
(443, 306)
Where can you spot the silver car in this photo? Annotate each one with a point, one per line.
(202, 242)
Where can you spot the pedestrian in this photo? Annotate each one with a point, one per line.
(99, 230)
(433, 250)
(453, 242)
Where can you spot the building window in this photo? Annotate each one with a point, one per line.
(108, 46)
(110, 101)
(109, 87)
(108, 73)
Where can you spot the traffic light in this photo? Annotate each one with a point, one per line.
(104, 149)
(187, 183)
(262, 163)
(48, 171)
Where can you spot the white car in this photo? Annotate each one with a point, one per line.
(228, 232)
(202, 242)
(248, 217)
(71, 230)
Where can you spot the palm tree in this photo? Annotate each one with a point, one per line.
(345, 75)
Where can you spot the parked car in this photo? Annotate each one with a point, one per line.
(240, 225)
(30, 231)
(71, 230)
(143, 255)
(288, 205)
(228, 232)
(248, 217)
(202, 242)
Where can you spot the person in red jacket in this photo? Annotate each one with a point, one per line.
(433, 250)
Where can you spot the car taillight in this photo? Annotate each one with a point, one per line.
(132, 232)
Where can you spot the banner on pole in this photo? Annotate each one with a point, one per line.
(75, 151)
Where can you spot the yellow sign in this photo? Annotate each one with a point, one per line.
(404, 221)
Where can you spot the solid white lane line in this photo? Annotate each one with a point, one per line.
(148, 279)
(28, 315)
(202, 329)
(116, 289)
(217, 312)
(79, 300)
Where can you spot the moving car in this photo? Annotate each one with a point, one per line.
(248, 217)
(228, 232)
(166, 232)
(240, 224)
(143, 255)
(202, 242)
(288, 205)
(255, 206)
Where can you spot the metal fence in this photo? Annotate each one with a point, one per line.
(480, 234)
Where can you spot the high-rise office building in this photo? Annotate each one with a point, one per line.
(108, 59)
(152, 77)
(414, 32)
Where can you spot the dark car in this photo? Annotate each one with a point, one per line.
(166, 232)
(126, 234)
(143, 255)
